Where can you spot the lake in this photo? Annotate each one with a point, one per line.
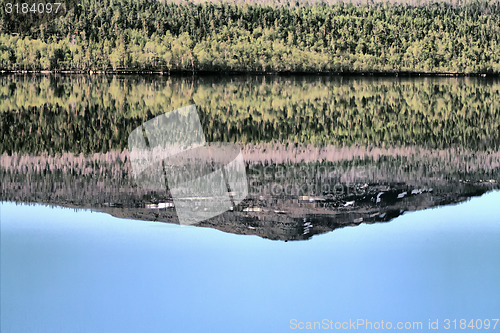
(366, 199)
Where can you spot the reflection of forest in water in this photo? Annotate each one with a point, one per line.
(321, 153)
(96, 114)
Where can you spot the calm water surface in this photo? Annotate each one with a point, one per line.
(64, 270)
(428, 148)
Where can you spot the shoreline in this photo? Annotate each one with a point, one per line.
(242, 73)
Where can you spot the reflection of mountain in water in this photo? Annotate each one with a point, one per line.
(296, 191)
(447, 131)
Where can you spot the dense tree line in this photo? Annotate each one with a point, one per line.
(146, 35)
(96, 114)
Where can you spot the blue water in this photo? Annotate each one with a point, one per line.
(65, 270)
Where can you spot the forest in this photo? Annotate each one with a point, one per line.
(143, 35)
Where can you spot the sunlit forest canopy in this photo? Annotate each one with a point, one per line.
(96, 114)
(260, 36)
